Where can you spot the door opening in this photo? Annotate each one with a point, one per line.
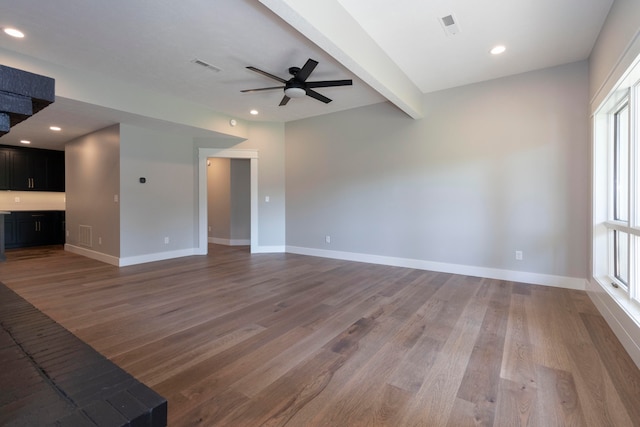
(203, 155)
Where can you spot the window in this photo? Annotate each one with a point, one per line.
(620, 189)
(616, 232)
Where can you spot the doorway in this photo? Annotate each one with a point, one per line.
(229, 201)
(203, 155)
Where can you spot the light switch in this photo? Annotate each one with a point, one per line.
(266, 199)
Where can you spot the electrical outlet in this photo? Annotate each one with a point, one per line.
(99, 240)
(115, 198)
(166, 240)
(267, 199)
(209, 228)
(327, 239)
(519, 255)
(16, 199)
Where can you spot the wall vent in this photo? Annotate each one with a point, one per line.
(206, 65)
(449, 25)
(84, 236)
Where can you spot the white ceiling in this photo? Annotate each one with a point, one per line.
(152, 43)
(537, 34)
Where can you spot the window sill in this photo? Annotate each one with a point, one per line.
(622, 299)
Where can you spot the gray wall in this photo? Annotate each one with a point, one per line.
(240, 199)
(110, 162)
(268, 139)
(494, 167)
(219, 198)
(229, 199)
(164, 205)
(92, 179)
(616, 47)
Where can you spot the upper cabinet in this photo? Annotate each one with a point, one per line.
(55, 171)
(5, 169)
(29, 169)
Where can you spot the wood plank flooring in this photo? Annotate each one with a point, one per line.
(234, 339)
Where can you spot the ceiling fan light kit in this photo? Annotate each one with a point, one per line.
(297, 86)
(295, 92)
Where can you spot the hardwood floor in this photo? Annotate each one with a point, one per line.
(234, 339)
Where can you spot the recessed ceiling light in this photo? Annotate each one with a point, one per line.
(24, 141)
(254, 112)
(497, 50)
(13, 32)
(55, 128)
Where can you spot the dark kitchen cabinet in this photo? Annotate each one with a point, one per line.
(5, 169)
(29, 169)
(55, 171)
(10, 235)
(34, 228)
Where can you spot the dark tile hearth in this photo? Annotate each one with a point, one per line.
(48, 376)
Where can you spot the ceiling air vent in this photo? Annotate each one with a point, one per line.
(206, 65)
(449, 25)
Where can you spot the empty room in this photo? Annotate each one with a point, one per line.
(336, 213)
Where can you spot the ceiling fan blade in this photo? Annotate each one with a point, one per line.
(330, 83)
(316, 95)
(262, 88)
(305, 71)
(284, 101)
(264, 73)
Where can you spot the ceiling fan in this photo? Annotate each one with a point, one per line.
(298, 86)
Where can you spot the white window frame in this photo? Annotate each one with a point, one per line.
(613, 224)
(604, 222)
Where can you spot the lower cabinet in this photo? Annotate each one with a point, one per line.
(34, 228)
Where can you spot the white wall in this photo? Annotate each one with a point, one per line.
(494, 167)
(92, 178)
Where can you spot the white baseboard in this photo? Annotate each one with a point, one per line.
(269, 250)
(158, 256)
(619, 320)
(491, 273)
(229, 242)
(123, 262)
(467, 270)
(109, 259)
